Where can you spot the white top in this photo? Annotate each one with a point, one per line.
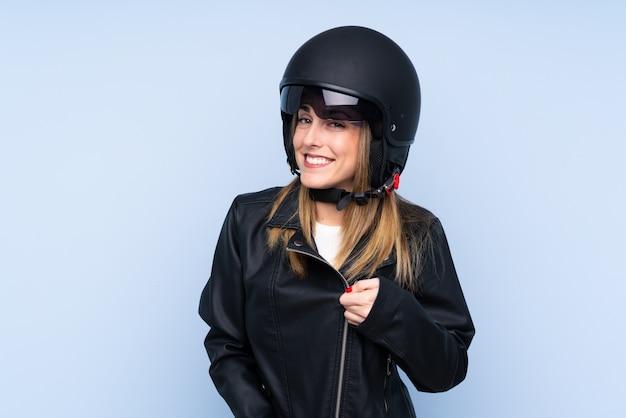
(327, 238)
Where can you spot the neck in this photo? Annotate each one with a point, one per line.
(326, 213)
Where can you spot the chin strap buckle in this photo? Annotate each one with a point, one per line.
(360, 198)
(342, 197)
(390, 185)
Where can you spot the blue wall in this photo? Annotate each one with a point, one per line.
(126, 128)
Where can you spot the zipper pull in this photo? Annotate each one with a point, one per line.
(388, 364)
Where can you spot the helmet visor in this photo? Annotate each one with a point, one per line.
(327, 104)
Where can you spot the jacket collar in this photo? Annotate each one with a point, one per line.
(286, 215)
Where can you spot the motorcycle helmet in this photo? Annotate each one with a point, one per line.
(359, 67)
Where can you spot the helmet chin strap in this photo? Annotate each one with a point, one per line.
(343, 197)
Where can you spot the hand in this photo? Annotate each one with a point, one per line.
(359, 299)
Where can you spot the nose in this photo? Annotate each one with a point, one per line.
(312, 134)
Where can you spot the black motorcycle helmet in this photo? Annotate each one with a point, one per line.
(367, 65)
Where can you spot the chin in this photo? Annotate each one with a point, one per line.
(314, 183)
(322, 185)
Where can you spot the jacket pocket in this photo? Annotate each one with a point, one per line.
(397, 399)
(388, 369)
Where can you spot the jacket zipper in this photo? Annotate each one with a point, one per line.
(344, 339)
(342, 366)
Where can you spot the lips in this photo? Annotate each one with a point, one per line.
(316, 160)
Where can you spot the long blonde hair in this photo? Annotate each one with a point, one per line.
(389, 226)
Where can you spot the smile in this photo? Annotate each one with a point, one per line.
(316, 160)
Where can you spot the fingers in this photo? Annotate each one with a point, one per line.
(355, 314)
(362, 292)
(366, 284)
(353, 319)
(359, 299)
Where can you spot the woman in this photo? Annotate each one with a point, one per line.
(319, 290)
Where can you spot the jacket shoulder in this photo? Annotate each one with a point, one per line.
(259, 197)
(254, 205)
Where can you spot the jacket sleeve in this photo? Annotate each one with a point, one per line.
(233, 367)
(427, 333)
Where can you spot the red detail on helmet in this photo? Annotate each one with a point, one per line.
(395, 184)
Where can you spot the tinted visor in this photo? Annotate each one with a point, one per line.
(327, 104)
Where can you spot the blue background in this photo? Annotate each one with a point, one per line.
(127, 128)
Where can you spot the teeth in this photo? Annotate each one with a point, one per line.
(317, 160)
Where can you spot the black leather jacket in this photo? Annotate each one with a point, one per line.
(279, 345)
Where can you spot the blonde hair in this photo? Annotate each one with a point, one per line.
(388, 226)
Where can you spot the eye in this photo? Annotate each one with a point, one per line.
(336, 124)
(303, 120)
(304, 117)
